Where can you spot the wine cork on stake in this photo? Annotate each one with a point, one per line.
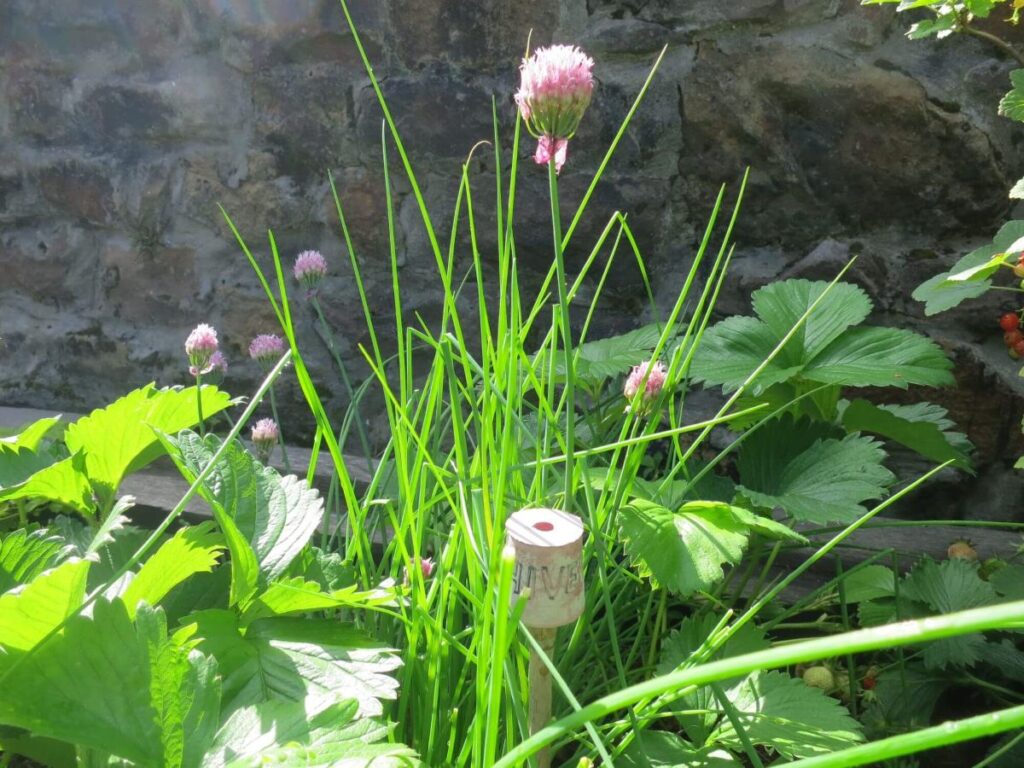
(549, 552)
(549, 562)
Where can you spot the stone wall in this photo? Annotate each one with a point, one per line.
(124, 124)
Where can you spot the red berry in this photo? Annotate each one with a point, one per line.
(1009, 322)
(1019, 347)
(1012, 337)
(869, 683)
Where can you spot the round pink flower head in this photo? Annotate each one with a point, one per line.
(427, 566)
(200, 346)
(655, 381)
(555, 88)
(266, 349)
(265, 435)
(218, 366)
(310, 268)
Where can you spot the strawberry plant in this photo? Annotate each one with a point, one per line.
(377, 626)
(184, 660)
(82, 470)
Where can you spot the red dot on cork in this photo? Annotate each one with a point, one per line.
(543, 525)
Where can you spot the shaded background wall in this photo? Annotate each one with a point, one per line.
(124, 123)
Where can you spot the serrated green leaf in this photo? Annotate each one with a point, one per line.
(939, 293)
(277, 515)
(952, 585)
(881, 357)
(325, 568)
(108, 547)
(119, 439)
(64, 482)
(904, 700)
(1011, 230)
(765, 526)
(678, 649)
(191, 550)
(922, 427)
(961, 651)
(115, 521)
(787, 715)
(146, 699)
(286, 733)
(614, 355)
(1012, 104)
(318, 662)
(869, 583)
(682, 551)
(31, 436)
(780, 306)
(245, 572)
(297, 595)
(662, 749)
(1008, 581)
(825, 349)
(981, 8)
(204, 591)
(324, 661)
(791, 465)
(938, 26)
(733, 349)
(906, 5)
(19, 464)
(26, 554)
(981, 271)
(28, 614)
(1006, 659)
(693, 631)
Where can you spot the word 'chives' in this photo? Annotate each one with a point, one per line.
(554, 91)
(200, 347)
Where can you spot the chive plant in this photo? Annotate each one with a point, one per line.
(486, 422)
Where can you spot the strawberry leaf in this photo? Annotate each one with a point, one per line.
(826, 348)
(789, 716)
(922, 427)
(812, 476)
(685, 550)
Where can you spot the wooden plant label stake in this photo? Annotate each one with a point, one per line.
(549, 562)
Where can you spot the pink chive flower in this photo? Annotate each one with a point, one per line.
(266, 348)
(427, 566)
(265, 435)
(310, 268)
(200, 346)
(547, 148)
(555, 88)
(655, 381)
(218, 366)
